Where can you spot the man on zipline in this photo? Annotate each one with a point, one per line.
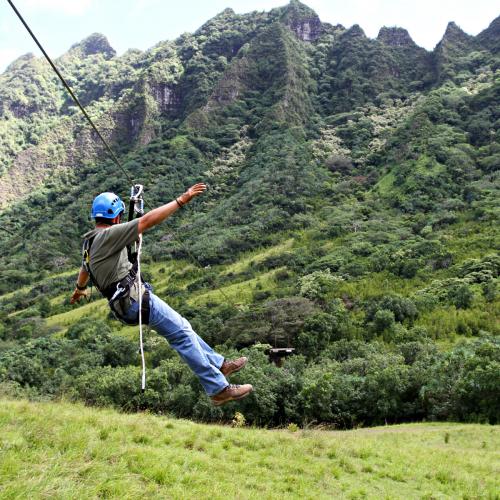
(106, 261)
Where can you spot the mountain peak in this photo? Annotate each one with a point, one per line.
(227, 12)
(94, 44)
(299, 6)
(395, 37)
(302, 20)
(454, 33)
(490, 37)
(453, 29)
(354, 31)
(20, 61)
(455, 39)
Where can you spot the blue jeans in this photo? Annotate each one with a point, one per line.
(200, 357)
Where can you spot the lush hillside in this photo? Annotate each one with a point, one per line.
(352, 214)
(65, 451)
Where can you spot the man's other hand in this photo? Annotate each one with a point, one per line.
(77, 295)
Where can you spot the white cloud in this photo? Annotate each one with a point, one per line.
(69, 7)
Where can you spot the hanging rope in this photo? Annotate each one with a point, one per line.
(141, 341)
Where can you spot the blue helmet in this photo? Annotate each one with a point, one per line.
(107, 205)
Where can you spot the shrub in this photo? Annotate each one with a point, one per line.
(317, 334)
(404, 309)
(339, 163)
(317, 285)
(489, 291)
(239, 420)
(383, 320)
(461, 296)
(360, 390)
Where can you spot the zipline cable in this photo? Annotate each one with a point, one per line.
(82, 109)
(71, 93)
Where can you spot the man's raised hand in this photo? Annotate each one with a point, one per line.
(197, 189)
(193, 191)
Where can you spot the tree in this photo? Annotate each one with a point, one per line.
(461, 296)
(318, 285)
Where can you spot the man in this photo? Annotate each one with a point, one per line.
(106, 261)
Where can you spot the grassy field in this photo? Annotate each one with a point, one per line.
(66, 451)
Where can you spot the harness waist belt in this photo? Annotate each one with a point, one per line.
(119, 289)
(121, 285)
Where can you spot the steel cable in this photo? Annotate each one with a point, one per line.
(82, 109)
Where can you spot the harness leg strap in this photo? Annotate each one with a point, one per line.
(145, 308)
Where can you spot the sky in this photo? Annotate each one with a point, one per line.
(140, 24)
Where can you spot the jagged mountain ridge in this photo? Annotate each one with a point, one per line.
(301, 20)
(238, 79)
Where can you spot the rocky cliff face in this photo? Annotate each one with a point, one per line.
(306, 30)
(395, 37)
(94, 44)
(303, 21)
(167, 96)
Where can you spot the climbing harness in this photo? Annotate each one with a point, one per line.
(118, 293)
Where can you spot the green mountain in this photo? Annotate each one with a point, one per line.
(352, 214)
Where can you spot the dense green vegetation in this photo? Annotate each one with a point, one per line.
(347, 383)
(352, 214)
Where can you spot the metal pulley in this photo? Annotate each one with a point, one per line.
(136, 206)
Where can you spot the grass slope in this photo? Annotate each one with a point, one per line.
(70, 451)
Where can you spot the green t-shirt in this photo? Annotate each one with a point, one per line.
(108, 254)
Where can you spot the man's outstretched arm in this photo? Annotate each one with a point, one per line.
(157, 215)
